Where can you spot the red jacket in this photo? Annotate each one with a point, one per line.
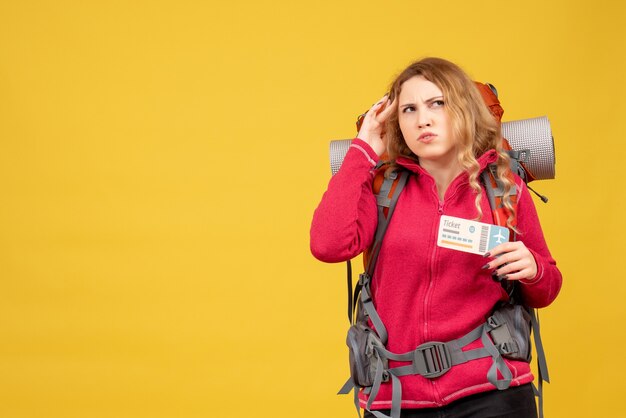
(423, 292)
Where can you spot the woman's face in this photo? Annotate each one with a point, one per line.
(424, 121)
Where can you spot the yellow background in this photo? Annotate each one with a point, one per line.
(160, 162)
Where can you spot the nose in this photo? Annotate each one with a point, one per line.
(423, 120)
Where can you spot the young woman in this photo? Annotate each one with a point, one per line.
(435, 124)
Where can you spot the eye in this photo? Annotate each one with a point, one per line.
(408, 109)
(438, 103)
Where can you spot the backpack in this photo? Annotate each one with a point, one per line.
(506, 333)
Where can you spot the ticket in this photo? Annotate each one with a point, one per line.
(469, 236)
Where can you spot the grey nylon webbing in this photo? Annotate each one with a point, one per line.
(368, 305)
(347, 387)
(541, 356)
(378, 378)
(384, 220)
(542, 366)
(497, 365)
(490, 191)
(457, 355)
(396, 400)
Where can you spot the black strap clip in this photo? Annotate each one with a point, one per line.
(364, 279)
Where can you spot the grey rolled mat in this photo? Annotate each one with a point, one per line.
(531, 135)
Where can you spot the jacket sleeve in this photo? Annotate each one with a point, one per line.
(541, 290)
(344, 222)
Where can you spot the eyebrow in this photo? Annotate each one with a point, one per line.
(427, 101)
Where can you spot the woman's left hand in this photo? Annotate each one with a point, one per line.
(513, 261)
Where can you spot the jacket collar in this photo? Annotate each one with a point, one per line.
(484, 160)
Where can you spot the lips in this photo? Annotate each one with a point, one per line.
(427, 137)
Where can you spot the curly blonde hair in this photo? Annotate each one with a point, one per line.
(472, 124)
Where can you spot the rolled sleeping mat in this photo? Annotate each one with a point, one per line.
(532, 137)
(535, 136)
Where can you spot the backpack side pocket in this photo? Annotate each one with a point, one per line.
(362, 342)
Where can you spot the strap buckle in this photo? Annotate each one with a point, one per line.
(432, 359)
(507, 347)
(494, 322)
(522, 155)
(364, 279)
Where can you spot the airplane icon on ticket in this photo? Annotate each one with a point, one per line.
(499, 237)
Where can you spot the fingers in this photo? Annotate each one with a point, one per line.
(501, 260)
(372, 120)
(379, 107)
(513, 261)
(503, 248)
(370, 115)
(514, 267)
(389, 107)
(380, 103)
(372, 127)
(516, 274)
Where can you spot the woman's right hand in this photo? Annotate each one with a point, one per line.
(372, 128)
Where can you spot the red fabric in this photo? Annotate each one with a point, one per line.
(491, 100)
(421, 291)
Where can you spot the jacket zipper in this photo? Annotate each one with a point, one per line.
(440, 205)
(440, 209)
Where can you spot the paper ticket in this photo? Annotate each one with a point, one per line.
(469, 236)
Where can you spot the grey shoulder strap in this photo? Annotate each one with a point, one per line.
(489, 177)
(384, 201)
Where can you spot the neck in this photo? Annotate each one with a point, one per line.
(443, 174)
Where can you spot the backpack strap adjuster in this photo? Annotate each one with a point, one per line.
(522, 155)
(493, 322)
(364, 279)
(508, 347)
(432, 359)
